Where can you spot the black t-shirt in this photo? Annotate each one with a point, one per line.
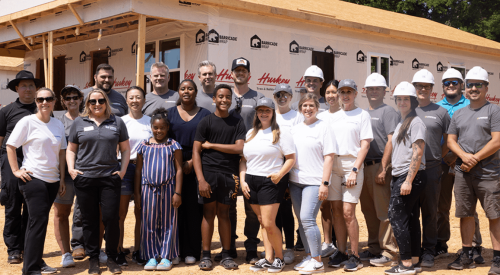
(221, 131)
(9, 116)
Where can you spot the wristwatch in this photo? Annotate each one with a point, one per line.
(355, 170)
(326, 183)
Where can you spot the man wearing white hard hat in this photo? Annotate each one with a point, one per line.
(376, 192)
(408, 179)
(437, 120)
(453, 100)
(314, 79)
(474, 135)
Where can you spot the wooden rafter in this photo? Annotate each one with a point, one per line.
(75, 14)
(21, 36)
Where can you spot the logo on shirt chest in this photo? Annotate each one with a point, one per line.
(112, 128)
(482, 117)
(433, 117)
(375, 118)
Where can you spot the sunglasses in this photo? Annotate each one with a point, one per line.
(94, 101)
(478, 85)
(448, 83)
(42, 99)
(69, 98)
(280, 95)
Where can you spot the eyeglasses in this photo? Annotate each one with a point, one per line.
(280, 95)
(42, 99)
(94, 101)
(478, 85)
(69, 98)
(421, 87)
(448, 83)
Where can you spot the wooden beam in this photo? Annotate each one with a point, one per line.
(12, 53)
(51, 60)
(141, 44)
(45, 71)
(75, 14)
(21, 36)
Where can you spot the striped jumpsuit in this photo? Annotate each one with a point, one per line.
(159, 234)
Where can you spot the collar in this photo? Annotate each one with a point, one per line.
(22, 105)
(110, 119)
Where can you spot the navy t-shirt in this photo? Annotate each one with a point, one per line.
(184, 131)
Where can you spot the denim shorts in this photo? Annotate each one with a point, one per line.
(128, 181)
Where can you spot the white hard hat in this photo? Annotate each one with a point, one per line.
(375, 80)
(314, 71)
(477, 73)
(452, 73)
(423, 76)
(405, 88)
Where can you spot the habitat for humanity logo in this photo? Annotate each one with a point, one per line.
(396, 62)
(360, 56)
(213, 37)
(440, 67)
(294, 48)
(418, 65)
(337, 54)
(113, 52)
(84, 57)
(257, 43)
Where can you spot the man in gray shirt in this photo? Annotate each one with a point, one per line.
(104, 80)
(313, 78)
(161, 96)
(376, 192)
(207, 73)
(436, 120)
(474, 136)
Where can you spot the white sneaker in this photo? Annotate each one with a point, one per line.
(176, 260)
(327, 249)
(302, 263)
(288, 256)
(190, 260)
(67, 260)
(103, 258)
(312, 267)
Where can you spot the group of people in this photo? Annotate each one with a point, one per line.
(185, 156)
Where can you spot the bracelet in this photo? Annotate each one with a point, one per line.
(178, 194)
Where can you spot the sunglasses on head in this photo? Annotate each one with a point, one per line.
(448, 83)
(69, 98)
(280, 95)
(42, 99)
(476, 84)
(94, 101)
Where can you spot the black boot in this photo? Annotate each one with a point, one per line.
(94, 266)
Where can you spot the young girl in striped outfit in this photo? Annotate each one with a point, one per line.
(159, 173)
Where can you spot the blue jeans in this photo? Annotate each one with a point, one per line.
(306, 207)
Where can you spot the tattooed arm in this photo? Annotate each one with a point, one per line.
(416, 158)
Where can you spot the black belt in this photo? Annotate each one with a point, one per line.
(133, 161)
(372, 162)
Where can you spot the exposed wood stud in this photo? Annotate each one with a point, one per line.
(21, 36)
(75, 14)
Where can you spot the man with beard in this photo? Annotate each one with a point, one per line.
(207, 73)
(454, 100)
(104, 79)
(161, 96)
(314, 79)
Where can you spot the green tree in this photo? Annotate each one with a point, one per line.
(480, 17)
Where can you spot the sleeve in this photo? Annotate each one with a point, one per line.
(286, 142)
(3, 124)
(177, 146)
(64, 143)
(241, 130)
(391, 120)
(20, 133)
(201, 133)
(366, 126)
(452, 129)
(73, 134)
(329, 141)
(139, 148)
(417, 131)
(446, 121)
(122, 128)
(495, 119)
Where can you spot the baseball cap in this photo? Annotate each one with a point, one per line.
(282, 87)
(348, 83)
(265, 102)
(68, 88)
(241, 61)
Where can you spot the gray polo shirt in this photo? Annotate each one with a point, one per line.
(323, 105)
(117, 102)
(402, 152)
(436, 120)
(154, 102)
(96, 156)
(248, 104)
(473, 128)
(206, 101)
(384, 120)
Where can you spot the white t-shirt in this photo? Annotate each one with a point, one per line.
(289, 119)
(41, 144)
(350, 128)
(312, 143)
(263, 157)
(138, 130)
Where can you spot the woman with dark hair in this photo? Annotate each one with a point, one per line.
(184, 119)
(93, 165)
(408, 179)
(139, 129)
(268, 156)
(72, 102)
(43, 143)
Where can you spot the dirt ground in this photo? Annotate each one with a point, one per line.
(52, 254)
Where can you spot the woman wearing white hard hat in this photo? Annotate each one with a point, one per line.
(408, 179)
(353, 133)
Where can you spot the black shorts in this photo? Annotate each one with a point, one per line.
(263, 191)
(224, 187)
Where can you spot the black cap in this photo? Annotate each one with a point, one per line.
(23, 75)
(240, 62)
